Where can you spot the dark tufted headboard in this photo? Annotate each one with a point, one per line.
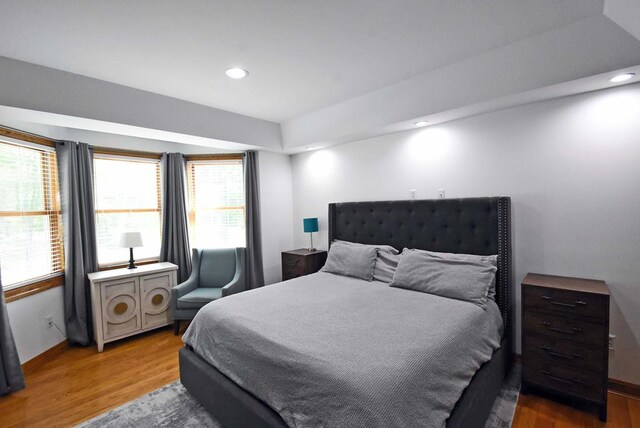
(472, 226)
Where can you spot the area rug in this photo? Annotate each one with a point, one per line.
(173, 406)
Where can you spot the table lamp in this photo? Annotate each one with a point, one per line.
(310, 225)
(130, 240)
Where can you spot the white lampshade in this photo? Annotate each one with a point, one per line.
(131, 239)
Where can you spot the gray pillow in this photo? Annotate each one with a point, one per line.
(456, 279)
(493, 260)
(348, 259)
(382, 248)
(386, 265)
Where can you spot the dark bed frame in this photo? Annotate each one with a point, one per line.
(471, 226)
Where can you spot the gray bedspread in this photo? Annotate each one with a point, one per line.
(331, 351)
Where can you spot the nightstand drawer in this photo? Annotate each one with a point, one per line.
(566, 302)
(563, 352)
(292, 273)
(293, 267)
(293, 262)
(565, 328)
(564, 379)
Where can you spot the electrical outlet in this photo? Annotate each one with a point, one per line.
(48, 320)
(412, 193)
(440, 193)
(612, 342)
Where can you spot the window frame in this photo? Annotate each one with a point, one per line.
(52, 210)
(191, 162)
(131, 156)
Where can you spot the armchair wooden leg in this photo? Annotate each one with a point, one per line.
(176, 327)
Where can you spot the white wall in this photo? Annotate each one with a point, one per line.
(27, 315)
(276, 211)
(571, 166)
(27, 319)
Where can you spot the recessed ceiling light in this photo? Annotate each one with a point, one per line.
(237, 73)
(622, 77)
(421, 123)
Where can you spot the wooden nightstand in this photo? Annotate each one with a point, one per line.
(301, 262)
(565, 337)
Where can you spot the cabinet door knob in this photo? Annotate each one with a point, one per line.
(120, 308)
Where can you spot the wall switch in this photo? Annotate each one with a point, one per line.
(612, 342)
(440, 193)
(412, 193)
(48, 320)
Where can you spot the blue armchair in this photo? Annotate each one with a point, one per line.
(215, 273)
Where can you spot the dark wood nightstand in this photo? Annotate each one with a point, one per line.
(565, 337)
(301, 262)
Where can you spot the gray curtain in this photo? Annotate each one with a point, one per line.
(11, 378)
(175, 220)
(255, 273)
(75, 172)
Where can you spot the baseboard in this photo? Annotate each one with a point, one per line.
(615, 385)
(45, 357)
(624, 388)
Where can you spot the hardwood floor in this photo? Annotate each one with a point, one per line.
(80, 383)
(534, 411)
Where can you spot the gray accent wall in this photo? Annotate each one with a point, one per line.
(570, 165)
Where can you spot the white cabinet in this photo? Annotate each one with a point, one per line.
(130, 301)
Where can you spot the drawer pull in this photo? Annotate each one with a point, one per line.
(547, 373)
(292, 262)
(574, 330)
(560, 354)
(565, 305)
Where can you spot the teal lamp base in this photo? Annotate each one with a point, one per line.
(311, 242)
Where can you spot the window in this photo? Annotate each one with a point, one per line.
(30, 223)
(128, 199)
(216, 203)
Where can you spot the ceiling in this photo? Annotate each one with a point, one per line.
(302, 55)
(321, 72)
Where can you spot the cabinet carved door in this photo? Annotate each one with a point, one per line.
(156, 299)
(120, 307)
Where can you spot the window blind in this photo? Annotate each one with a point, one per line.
(30, 223)
(216, 203)
(128, 199)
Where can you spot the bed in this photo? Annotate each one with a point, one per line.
(222, 379)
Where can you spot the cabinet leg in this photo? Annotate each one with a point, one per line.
(602, 413)
(176, 327)
(100, 346)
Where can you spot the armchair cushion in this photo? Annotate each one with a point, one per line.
(217, 267)
(198, 298)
